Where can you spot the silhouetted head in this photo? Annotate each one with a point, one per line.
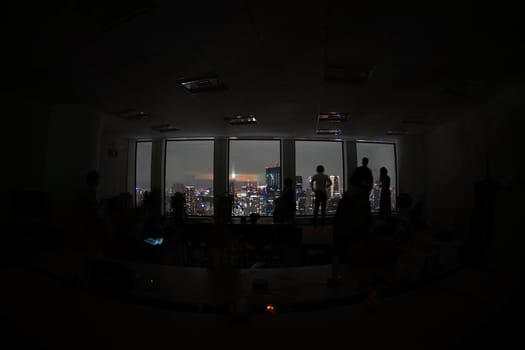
(365, 161)
(92, 178)
(383, 171)
(288, 182)
(320, 169)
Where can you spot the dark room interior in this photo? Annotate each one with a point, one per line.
(195, 174)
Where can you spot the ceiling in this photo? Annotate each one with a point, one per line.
(429, 64)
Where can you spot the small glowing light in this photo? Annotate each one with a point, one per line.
(270, 308)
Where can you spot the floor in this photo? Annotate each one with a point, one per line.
(46, 313)
(52, 301)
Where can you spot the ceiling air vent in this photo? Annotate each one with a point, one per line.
(351, 73)
(396, 132)
(131, 114)
(242, 120)
(164, 128)
(328, 131)
(202, 83)
(332, 117)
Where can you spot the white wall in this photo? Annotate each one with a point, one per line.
(113, 167)
(460, 153)
(25, 143)
(411, 165)
(49, 147)
(73, 138)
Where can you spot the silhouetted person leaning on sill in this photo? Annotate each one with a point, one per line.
(320, 183)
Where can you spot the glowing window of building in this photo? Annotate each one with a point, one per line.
(189, 171)
(254, 176)
(308, 155)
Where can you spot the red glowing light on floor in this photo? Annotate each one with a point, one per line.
(270, 308)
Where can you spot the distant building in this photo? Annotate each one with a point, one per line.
(298, 186)
(335, 188)
(273, 185)
(177, 187)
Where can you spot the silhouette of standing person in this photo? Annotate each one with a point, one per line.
(320, 182)
(385, 203)
(362, 177)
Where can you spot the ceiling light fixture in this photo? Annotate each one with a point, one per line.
(328, 131)
(332, 117)
(165, 128)
(201, 83)
(242, 120)
(396, 132)
(131, 114)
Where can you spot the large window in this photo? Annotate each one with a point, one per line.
(142, 170)
(308, 155)
(254, 176)
(379, 155)
(189, 170)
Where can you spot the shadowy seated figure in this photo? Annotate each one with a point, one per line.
(120, 221)
(417, 214)
(404, 230)
(351, 222)
(178, 208)
(92, 231)
(149, 218)
(364, 254)
(88, 196)
(284, 211)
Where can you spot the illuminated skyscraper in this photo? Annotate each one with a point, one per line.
(299, 187)
(273, 186)
(335, 188)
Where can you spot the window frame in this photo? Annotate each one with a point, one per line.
(342, 142)
(280, 140)
(135, 167)
(164, 207)
(395, 160)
